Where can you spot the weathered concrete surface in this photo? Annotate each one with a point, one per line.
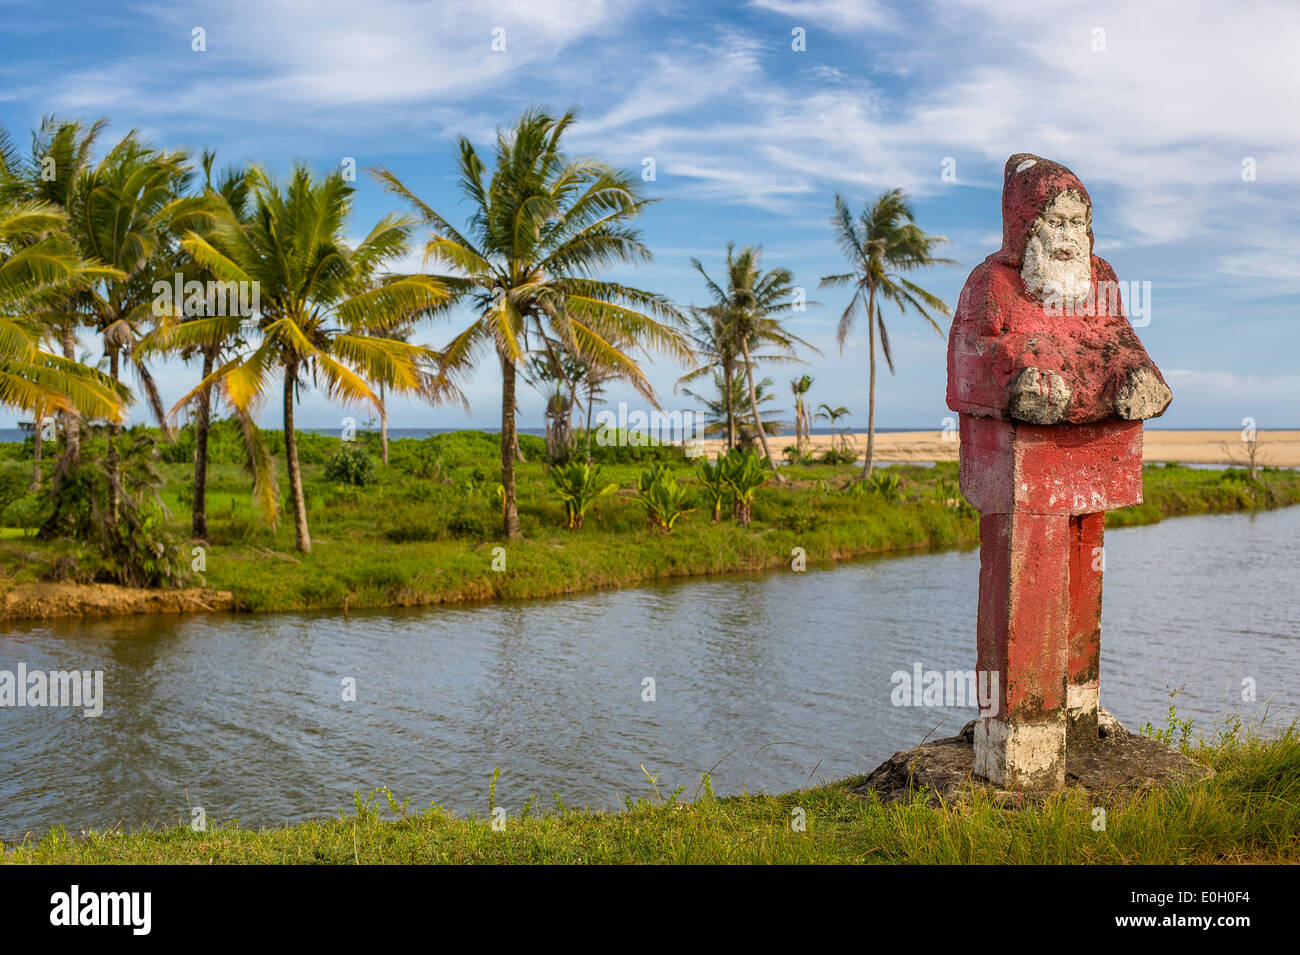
(1114, 761)
(1051, 385)
(1060, 469)
(1085, 365)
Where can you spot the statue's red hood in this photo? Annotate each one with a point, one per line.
(1029, 184)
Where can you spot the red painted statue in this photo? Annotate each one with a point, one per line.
(1052, 386)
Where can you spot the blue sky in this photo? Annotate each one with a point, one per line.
(1154, 105)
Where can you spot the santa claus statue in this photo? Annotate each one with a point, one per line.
(1052, 385)
(1040, 333)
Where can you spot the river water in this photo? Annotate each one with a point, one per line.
(771, 681)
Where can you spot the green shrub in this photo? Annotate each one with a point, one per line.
(468, 525)
(13, 484)
(793, 455)
(181, 449)
(839, 456)
(351, 465)
(135, 548)
(617, 448)
(29, 512)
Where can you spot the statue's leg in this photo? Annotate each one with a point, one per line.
(1087, 562)
(1024, 613)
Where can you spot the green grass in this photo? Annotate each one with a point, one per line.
(427, 529)
(1249, 811)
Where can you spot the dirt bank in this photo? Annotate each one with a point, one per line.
(45, 600)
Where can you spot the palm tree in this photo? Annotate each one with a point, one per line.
(127, 211)
(228, 197)
(60, 151)
(749, 311)
(541, 226)
(735, 399)
(882, 244)
(716, 352)
(802, 426)
(38, 266)
(832, 417)
(321, 317)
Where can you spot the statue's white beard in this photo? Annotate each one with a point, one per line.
(1057, 281)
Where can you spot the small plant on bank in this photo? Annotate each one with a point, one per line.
(845, 455)
(793, 455)
(578, 485)
(716, 488)
(744, 474)
(948, 493)
(352, 466)
(665, 500)
(886, 484)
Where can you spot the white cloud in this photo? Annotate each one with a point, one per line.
(843, 14)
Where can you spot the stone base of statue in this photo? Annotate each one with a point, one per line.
(1115, 762)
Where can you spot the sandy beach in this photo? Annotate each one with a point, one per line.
(1276, 448)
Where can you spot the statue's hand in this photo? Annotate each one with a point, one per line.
(1039, 397)
(1142, 396)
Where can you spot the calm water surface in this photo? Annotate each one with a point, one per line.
(770, 680)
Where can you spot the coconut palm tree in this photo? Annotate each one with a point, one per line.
(735, 398)
(321, 317)
(802, 425)
(717, 354)
(832, 417)
(229, 198)
(39, 266)
(882, 245)
(749, 310)
(542, 225)
(60, 151)
(127, 211)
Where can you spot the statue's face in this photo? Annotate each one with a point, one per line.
(1057, 265)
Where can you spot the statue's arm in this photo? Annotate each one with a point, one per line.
(995, 371)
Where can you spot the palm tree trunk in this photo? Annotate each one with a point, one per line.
(568, 427)
(591, 400)
(509, 447)
(202, 424)
(798, 426)
(114, 429)
(871, 387)
(291, 458)
(71, 426)
(36, 449)
(753, 404)
(728, 373)
(383, 424)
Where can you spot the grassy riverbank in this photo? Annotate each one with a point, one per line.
(426, 528)
(1249, 811)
